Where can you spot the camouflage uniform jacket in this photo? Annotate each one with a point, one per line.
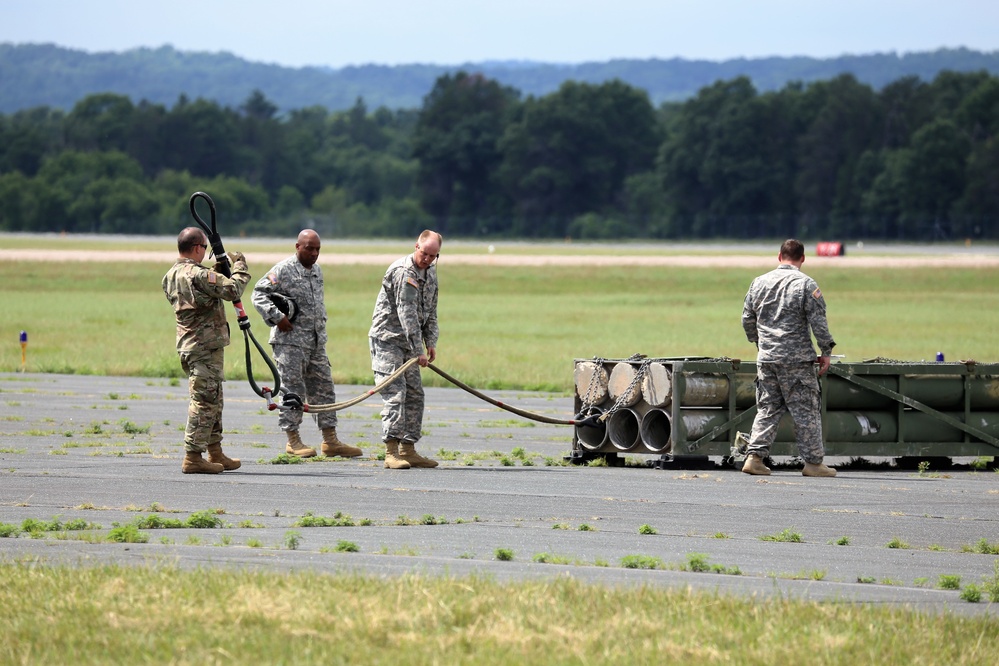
(303, 285)
(406, 309)
(197, 294)
(779, 309)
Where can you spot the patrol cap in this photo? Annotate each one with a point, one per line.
(286, 305)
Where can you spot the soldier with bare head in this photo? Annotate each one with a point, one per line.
(197, 294)
(403, 327)
(781, 308)
(290, 298)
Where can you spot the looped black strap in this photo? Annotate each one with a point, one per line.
(247, 337)
(215, 240)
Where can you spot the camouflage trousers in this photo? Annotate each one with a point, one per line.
(402, 400)
(307, 372)
(787, 387)
(204, 412)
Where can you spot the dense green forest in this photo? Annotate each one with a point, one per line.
(34, 75)
(913, 160)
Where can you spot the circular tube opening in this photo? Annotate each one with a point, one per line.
(592, 437)
(622, 429)
(656, 430)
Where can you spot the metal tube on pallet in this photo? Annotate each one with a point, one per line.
(621, 385)
(706, 390)
(934, 391)
(857, 426)
(592, 437)
(695, 405)
(656, 431)
(591, 381)
(657, 385)
(623, 429)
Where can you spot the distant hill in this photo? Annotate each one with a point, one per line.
(34, 75)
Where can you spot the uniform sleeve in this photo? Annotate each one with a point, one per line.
(430, 331)
(267, 285)
(217, 285)
(749, 317)
(815, 312)
(407, 291)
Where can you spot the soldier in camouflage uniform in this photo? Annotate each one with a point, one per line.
(299, 339)
(197, 294)
(779, 310)
(403, 324)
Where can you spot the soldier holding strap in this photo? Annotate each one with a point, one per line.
(404, 326)
(290, 298)
(197, 294)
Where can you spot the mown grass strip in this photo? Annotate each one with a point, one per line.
(110, 614)
(501, 327)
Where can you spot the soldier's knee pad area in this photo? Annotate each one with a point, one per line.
(205, 389)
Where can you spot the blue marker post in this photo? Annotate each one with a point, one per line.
(24, 349)
(940, 357)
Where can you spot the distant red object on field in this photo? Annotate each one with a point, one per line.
(830, 249)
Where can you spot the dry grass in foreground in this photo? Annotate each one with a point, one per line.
(165, 615)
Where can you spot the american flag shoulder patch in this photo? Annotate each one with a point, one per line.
(412, 282)
(272, 277)
(817, 294)
(212, 277)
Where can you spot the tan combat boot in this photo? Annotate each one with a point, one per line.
(295, 446)
(407, 451)
(215, 455)
(392, 459)
(195, 464)
(754, 465)
(817, 469)
(332, 446)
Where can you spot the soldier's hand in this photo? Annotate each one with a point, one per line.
(431, 354)
(236, 256)
(423, 361)
(284, 325)
(823, 362)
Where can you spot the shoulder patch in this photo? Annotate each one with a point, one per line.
(412, 282)
(817, 294)
(212, 277)
(272, 277)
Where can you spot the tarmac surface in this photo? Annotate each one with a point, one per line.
(108, 450)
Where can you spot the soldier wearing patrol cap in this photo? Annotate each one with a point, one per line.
(404, 326)
(290, 300)
(197, 294)
(780, 309)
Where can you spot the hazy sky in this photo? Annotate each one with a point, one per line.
(449, 32)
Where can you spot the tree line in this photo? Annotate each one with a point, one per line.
(914, 160)
(36, 74)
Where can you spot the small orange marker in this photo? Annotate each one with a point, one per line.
(24, 349)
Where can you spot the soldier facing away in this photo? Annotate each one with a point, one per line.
(404, 326)
(780, 309)
(290, 298)
(197, 294)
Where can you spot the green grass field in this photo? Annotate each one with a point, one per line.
(502, 327)
(160, 614)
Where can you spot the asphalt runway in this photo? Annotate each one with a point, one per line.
(108, 450)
